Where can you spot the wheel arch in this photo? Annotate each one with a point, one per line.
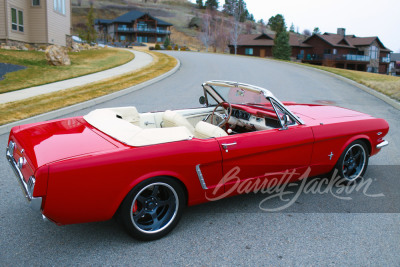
(364, 138)
(173, 176)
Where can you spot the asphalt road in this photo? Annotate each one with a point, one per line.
(318, 229)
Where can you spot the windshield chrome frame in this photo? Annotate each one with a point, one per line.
(267, 94)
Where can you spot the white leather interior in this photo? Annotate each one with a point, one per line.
(129, 114)
(206, 130)
(174, 119)
(107, 121)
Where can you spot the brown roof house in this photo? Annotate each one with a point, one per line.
(134, 26)
(35, 22)
(348, 52)
(394, 66)
(328, 49)
(261, 45)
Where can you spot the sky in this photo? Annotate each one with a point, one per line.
(362, 18)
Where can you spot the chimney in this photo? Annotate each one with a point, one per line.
(341, 31)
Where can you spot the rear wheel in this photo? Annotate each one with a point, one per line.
(353, 162)
(153, 208)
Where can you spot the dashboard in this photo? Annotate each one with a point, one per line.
(243, 118)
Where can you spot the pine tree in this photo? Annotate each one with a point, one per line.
(167, 42)
(212, 4)
(292, 28)
(282, 49)
(89, 35)
(316, 31)
(200, 3)
(277, 23)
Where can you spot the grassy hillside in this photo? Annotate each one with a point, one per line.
(177, 12)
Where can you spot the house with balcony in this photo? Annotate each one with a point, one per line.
(260, 45)
(334, 50)
(134, 26)
(347, 51)
(36, 22)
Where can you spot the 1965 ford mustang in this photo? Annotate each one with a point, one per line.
(146, 167)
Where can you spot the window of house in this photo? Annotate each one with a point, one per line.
(248, 51)
(159, 39)
(142, 25)
(327, 51)
(59, 6)
(17, 20)
(35, 2)
(122, 38)
(373, 52)
(334, 51)
(142, 39)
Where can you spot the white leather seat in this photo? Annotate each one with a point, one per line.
(174, 119)
(106, 121)
(206, 130)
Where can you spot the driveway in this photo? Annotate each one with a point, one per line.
(318, 229)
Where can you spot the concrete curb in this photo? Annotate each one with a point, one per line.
(60, 112)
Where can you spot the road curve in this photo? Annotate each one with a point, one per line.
(318, 229)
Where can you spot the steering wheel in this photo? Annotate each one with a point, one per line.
(225, 118)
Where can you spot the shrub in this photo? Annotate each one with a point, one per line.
(169, 47)
(176, 48)
(157, 47)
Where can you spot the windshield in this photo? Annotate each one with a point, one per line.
(236, 95)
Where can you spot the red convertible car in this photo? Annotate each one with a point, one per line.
(146, 167)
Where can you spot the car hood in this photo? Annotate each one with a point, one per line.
(323, 113)
(56, 140)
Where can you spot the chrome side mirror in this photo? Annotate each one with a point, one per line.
(285, 119)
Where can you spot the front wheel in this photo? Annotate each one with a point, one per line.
(153, 208)
(353, 162)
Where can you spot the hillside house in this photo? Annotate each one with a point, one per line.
(134, 26)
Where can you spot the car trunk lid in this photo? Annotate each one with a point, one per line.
(51, 141)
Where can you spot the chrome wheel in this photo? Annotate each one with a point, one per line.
(154, 208)
(353, 162)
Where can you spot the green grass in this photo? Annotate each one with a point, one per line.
(39, 72)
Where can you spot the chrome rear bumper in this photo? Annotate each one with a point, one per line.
(35, 203)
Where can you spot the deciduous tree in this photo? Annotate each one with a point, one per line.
(307, 32)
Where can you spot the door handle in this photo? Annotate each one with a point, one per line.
(225, 146)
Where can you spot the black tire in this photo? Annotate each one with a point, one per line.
(153, 208)
(353, 162)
